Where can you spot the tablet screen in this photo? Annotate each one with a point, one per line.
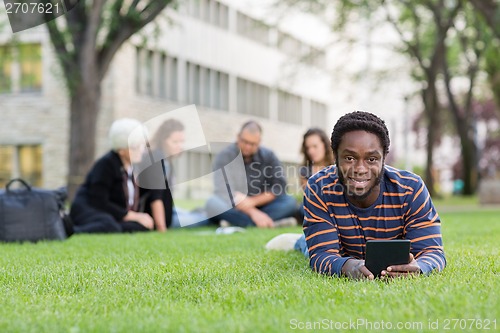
(383, 253)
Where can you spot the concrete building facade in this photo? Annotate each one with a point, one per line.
(234, 60)
(232, 66)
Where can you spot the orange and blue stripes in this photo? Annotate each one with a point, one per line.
(337, 231)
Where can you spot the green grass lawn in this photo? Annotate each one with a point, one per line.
(196, 281)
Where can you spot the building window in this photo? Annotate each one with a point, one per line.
(215, 12)
(5, 69)
(207, 87)
(303, 52)
(149, 74)
(30, 60)
(313, 56)
(253, 98)
(21, 161)
(223, 16)
(21, 68)
(195, 88)
(222, 95)
(193, 169)
(138, 70)
(219, 14)
(209, 11)
(288, 44)
(317, 58)
(289, 108)
(172, 78)
(194, 8)
(166, 80)
(188, 80)
(193, 83)
(199, 166)
(163, 77)
(319, 114)
(204, 10)
(251, 28)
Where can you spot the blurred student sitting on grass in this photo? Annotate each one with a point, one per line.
(109, 200)
(266, 205)
(316, 154)
(359, 199)
(167, 145)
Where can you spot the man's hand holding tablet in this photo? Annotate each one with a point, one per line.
(384, 258)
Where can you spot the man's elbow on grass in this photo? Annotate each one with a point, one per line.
(327, 263)
(432, 262)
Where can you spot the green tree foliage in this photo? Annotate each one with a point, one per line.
(490, 9)
(445, 41)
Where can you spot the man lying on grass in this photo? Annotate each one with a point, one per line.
(359, 199)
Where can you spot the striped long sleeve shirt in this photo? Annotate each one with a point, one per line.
(337, 231)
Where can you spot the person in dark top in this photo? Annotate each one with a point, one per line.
(316, 153)
(258, 190)
(167, 144)
(109, 200)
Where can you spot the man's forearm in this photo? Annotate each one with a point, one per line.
(326, 263)
(249, 204)
(262, 199)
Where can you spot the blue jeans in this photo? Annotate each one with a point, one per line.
(281, 207)
(301, 245)
(184, 218)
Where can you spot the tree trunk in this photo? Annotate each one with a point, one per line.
(429, 179)
(431, 106)
(84, 108)
(465, 130)
(431, 139)
(464, 124)
(469, 165)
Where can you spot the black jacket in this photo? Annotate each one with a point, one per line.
(103, 187)
(103, 190)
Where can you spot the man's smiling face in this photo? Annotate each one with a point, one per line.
(360, 163)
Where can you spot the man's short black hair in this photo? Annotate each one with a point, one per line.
(360, 121)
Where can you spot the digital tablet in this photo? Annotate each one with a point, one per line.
(381, 254)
